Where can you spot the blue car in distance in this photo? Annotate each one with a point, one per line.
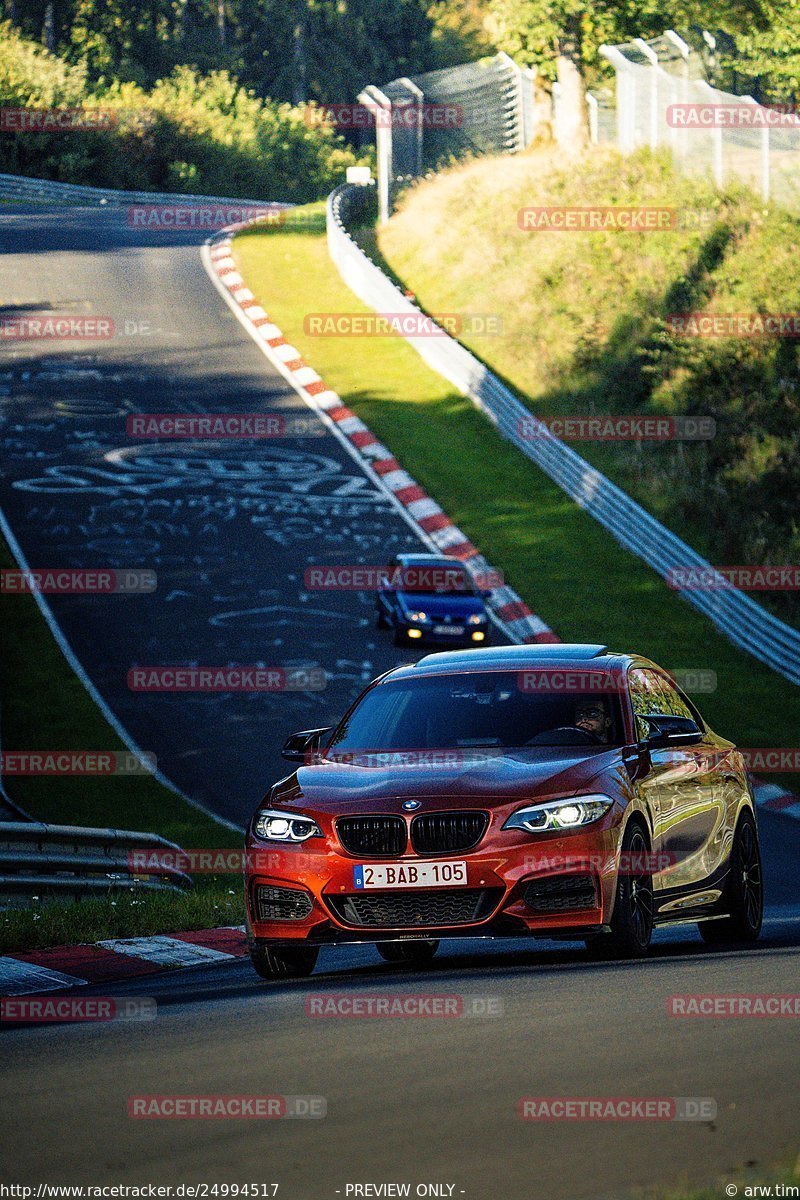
(429, 599)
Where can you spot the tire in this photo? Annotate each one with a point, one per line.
(632, 918)
(416, 954)
(279, 962)
(400, 638)
(381, 621)
(744, 892)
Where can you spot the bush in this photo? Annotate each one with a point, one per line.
(190, 133)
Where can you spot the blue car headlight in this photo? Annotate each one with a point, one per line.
(419, 617)
(569, 813)
(285, 827)
(476, 619)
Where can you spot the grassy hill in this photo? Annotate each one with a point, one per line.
(586, 330)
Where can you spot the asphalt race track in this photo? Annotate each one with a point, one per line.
(229, 528)
(428, 1100)
(229, 531)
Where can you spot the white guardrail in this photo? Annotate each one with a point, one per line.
(19, 187)
(745, 622)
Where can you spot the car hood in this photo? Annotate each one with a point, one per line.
(514, 775)
(441, 606)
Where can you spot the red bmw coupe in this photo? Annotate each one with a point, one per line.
(560, 791)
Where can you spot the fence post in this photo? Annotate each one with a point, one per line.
(626, 98)
(717, 163)
(528, 84)
(381, 108)
(765, 160)
(591, 103)
(651, 56)
(678, 136)
(418, 95)
(519, 107)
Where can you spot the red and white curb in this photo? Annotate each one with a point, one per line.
(422, 512)
(773, 798)
(116, 960)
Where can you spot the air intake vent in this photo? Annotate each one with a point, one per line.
(281, 904)
(561, 893)
(435, 908)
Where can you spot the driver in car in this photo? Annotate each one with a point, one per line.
(592, 716)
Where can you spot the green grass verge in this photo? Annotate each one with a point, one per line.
(568, 569)
(213, 901)
(46, 707)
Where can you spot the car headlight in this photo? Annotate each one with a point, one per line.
(559, 814)
(476, 619)
(284, 827)
(417, 616)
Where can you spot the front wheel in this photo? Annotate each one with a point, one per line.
(279, 962)
(744, 892)
(632, 918)
(416, 954)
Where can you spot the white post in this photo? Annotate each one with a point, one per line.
(678, 136)
(717, 163)
(555, 93)
(651, 56)
(626, 98)
(418, 95)
(594, 131)
(528, 81)
(381, 108)
(765, 162)
(519, 117)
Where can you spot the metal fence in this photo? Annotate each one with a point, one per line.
(43, 862)
(21, 187)
(663, 100)
(745, 622)
(424, 121)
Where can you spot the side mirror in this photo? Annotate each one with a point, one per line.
(299, 746)
(668, 731)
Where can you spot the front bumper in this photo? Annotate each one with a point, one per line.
(424, 635)
(546, 885)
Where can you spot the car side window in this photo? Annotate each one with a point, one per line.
(672, 703)
(645, 699)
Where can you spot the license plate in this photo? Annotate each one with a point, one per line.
(411, 875)
(456, 630)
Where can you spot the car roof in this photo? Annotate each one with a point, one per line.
(531, 657)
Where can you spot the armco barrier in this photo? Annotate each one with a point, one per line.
(19, 187)
(48, 861)
(745, 622)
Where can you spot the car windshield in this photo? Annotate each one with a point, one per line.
(474, 710)
(432, 579)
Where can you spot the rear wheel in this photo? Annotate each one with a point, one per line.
(744, 892)
(632, 918)
(279, 962)
(417, 954)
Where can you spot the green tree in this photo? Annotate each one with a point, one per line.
(562, 38)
